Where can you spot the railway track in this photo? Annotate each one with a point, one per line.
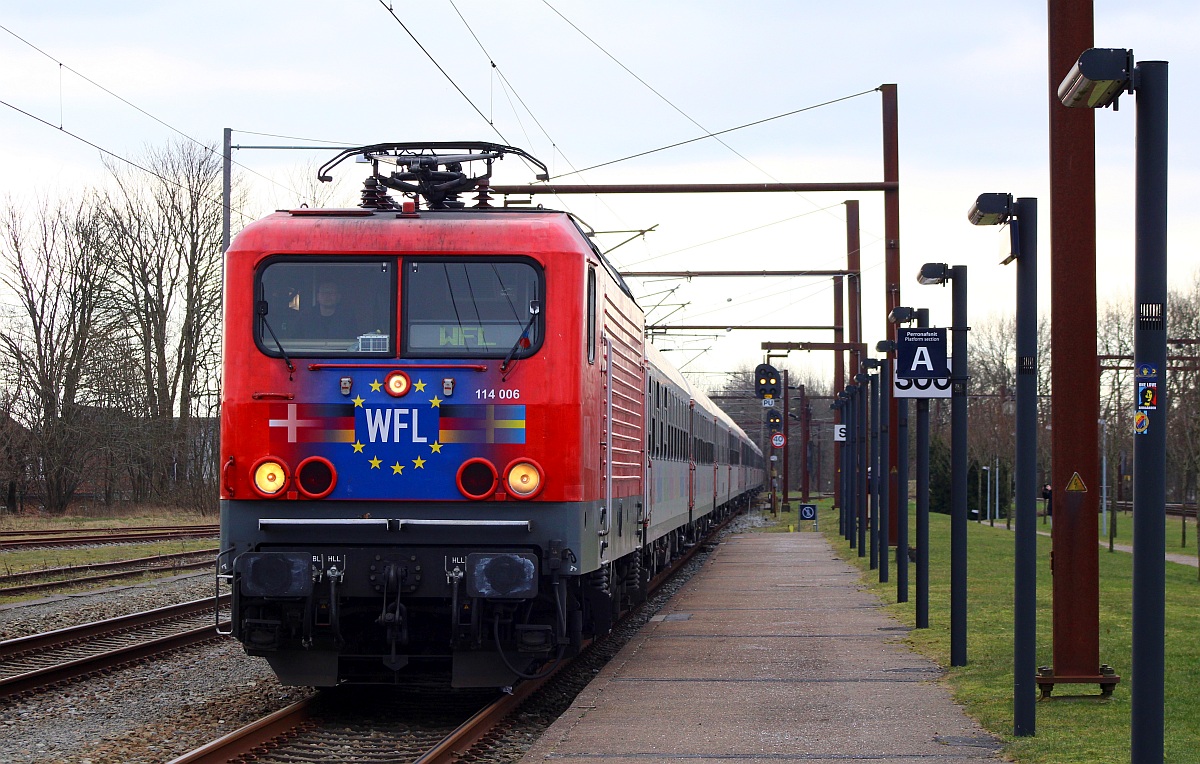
(30, 582)
(76, 531)
(39, 539)
(33, 662)
(439, 729)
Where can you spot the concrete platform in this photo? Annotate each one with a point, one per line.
(770, 653)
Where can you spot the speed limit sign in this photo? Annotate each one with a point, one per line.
(777, 440)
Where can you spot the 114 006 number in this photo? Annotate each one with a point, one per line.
(492, 393)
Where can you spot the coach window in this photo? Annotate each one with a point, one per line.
(330, 306)
(591, 314)
(472, 307)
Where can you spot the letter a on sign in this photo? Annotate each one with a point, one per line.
(922, 359)
(921, 354)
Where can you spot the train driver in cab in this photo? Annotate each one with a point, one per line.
(326, 319)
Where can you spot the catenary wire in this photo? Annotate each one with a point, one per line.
(114, 155)
(130, 104)
(679, 110)
(510, 92)
(445, 74)
(719, 132)
(733, 235)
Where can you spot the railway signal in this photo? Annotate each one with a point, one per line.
(766, 381)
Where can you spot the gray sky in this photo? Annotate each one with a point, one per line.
(579, 84)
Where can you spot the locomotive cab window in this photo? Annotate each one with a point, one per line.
(327, 307)
(472, 308)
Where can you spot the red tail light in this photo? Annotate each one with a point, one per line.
(477, 479)
(316, 477)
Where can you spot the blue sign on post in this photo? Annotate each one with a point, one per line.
(921, 354)
(809, 512)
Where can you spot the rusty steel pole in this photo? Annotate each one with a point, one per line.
(804, 445)
(891, 236)
(1075, 379)
(854, 272)
(787, 441)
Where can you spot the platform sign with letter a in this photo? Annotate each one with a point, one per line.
(921, 354)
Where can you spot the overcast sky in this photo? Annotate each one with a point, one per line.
(580, 84)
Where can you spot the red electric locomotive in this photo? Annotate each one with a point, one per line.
(444, 444)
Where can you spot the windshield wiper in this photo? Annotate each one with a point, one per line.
(262, 313)
(534, 309)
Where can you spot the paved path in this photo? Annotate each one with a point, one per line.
(1183, 558)
(772, 652)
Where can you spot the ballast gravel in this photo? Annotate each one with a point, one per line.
(153, 712)
(145, 713)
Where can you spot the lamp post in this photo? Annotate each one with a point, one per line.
(850, 463)
(885, 404)
(1095, 81)
(922, 613)
(836, 407)
(995, 209)
(841, 404)
(872, 365)
(902, 315)
(860, 450)
(940, 273)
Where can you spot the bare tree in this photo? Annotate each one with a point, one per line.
(165, 233)
(55, 268)
(1114, 343)
(1182, 394)
(14, 444)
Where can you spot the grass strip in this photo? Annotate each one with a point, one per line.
(1075, 725)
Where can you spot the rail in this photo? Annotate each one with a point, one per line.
(29, 663)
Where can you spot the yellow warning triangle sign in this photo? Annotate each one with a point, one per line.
(1076, 484)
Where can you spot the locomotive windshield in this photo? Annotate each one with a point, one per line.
(334, 307)
(471, 308)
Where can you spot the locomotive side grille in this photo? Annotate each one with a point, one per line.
(628, 397)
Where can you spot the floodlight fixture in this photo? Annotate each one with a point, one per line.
(862, 378)
(902, 315)
(933, 273)
(1098, 78)
(885, 346)
(870, 363)
(991, 209)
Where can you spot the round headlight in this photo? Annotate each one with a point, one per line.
(397, 384)
(523, 478)
(270, 477)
